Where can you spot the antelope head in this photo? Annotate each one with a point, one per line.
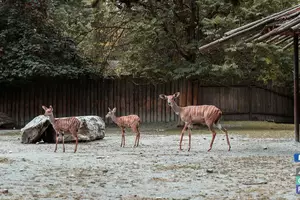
(48, 111)
(111, 112)
(170, 98)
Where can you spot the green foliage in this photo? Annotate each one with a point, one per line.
(163, 37)
(157, 40)
(32, 47)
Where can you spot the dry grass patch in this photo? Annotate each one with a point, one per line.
(4, 160)
(252, 129)
(161, 179)
(135, 197)
(175, 167)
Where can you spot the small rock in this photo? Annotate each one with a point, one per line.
(204, 138)
(256, 182)
(141, 153)
(105, 171)
(23, 159)
(4, 191)
(21, 170)
(100, 157)
(231, 138)
(93, 182)
(10, 152)
(265, 148)
(209, 171)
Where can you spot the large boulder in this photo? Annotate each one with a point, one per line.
(40, 128)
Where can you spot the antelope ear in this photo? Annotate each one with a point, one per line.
(44, 107)
(114, 110)
(109, 109)
(51, 108)
(162, 96)
(176, 95)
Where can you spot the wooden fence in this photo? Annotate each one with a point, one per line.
(92, 97)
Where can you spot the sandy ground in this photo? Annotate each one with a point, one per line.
(254, 169)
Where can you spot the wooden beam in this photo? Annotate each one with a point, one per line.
(255, 25)
(296, 27)
(285, 38)
(273, 38)
(263, 21)
(280, 29)
(253, 37)
(296, 86)
(288, 45)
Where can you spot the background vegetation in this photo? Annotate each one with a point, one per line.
(152, 39)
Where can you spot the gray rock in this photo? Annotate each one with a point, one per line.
(256, 182)
(92, 128)
(4, 191)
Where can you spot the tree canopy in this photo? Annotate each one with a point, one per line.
(31, 46)
(151, 39)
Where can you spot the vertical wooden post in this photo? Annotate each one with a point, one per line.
(250, 101)
(296, 85)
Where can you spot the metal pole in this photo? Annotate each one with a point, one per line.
(296, 86)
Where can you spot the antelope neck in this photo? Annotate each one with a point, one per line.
(176, 108)
(114, 118)
(52, 120)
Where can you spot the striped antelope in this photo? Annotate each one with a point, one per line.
(70, 124)
(130, 121)
(204, 114)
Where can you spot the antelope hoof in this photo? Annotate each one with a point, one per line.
(229, 148)
(209, 149)
(189, 149)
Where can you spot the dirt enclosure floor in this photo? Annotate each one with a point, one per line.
(259, 166)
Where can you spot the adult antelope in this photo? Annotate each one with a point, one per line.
(130, 121)
(204, 114)
(69, 125)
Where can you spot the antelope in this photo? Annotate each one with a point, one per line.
(70, 124)
(130, 121)
(204, 114)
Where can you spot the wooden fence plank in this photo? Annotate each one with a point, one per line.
(90, 97)
(148, 103)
